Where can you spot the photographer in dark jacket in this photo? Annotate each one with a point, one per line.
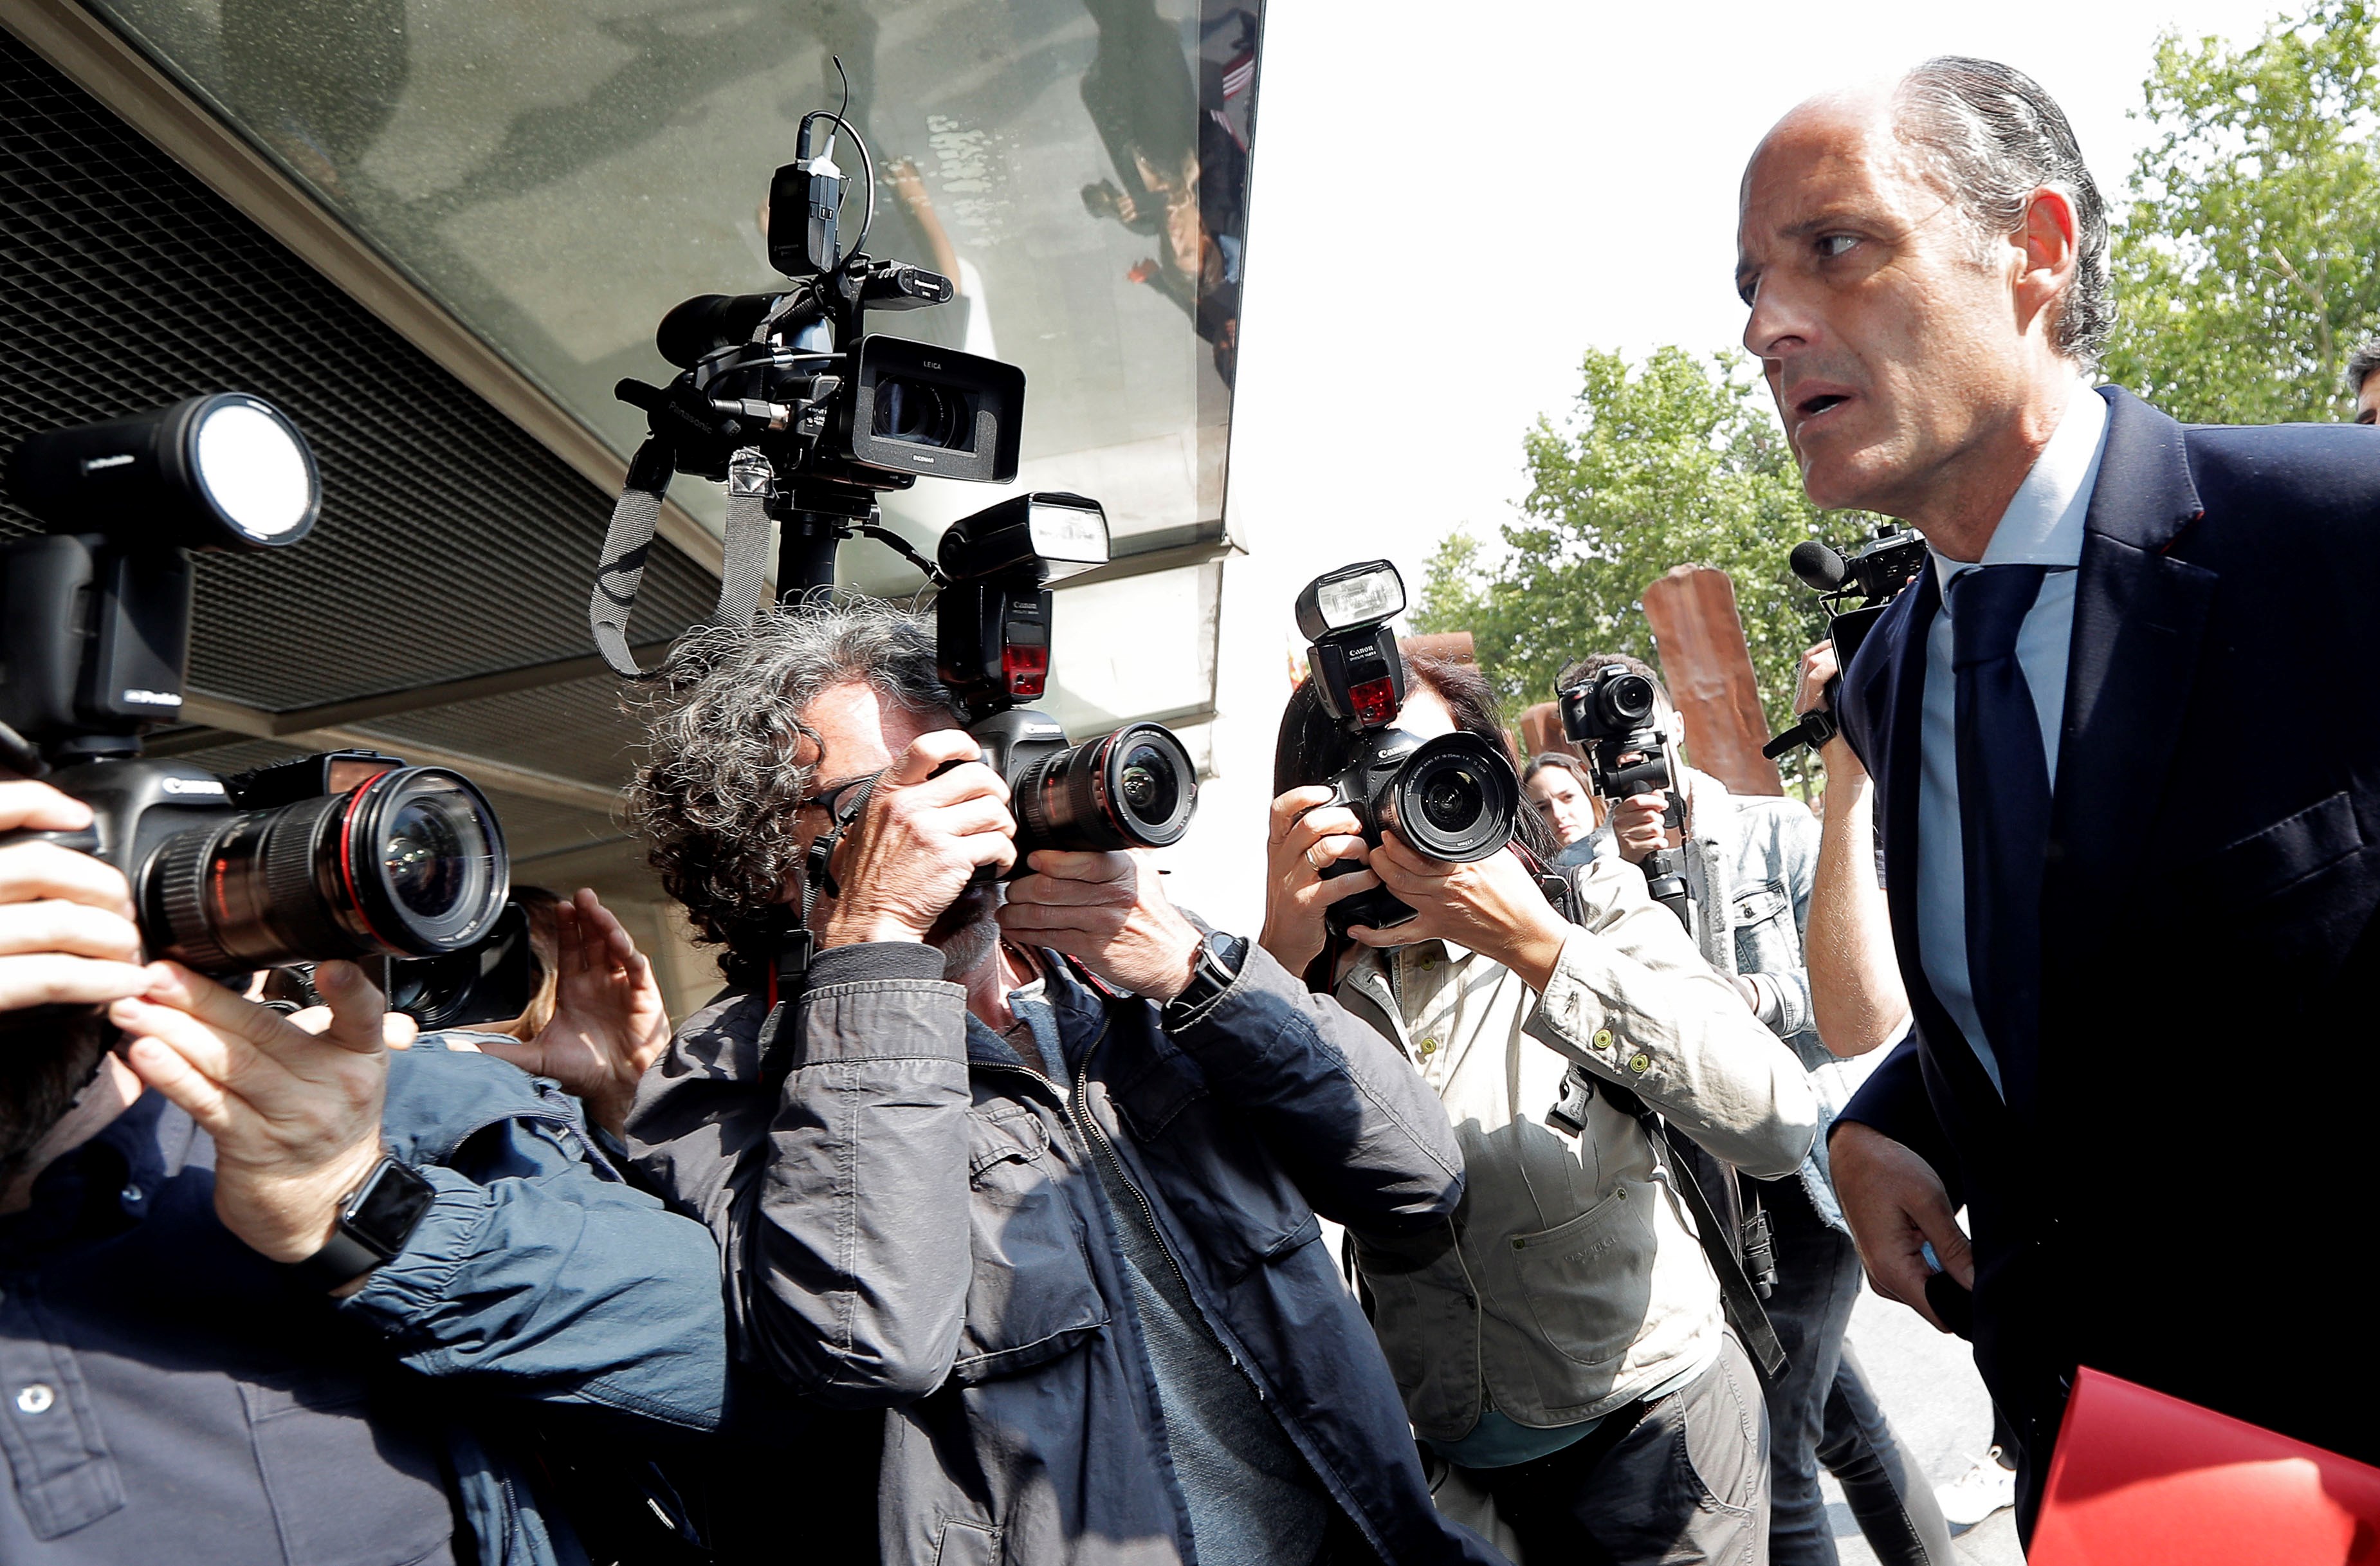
(172, 1387)
(1065, 1237)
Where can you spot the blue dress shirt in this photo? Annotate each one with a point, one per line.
(2041, 526)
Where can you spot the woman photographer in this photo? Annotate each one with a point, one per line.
(1561, 1341)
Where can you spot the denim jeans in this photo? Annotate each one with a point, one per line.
(1822, 1413)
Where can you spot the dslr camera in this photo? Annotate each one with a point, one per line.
(1613, 715)
(1855, 589)
(804, 414)
(1455, 798)
(1132, 787)
(348, 855)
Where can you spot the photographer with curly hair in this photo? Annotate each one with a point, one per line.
(1039, 1182)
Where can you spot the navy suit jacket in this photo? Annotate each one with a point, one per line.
(2173, 1190)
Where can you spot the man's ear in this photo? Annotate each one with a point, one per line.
(2051, 241)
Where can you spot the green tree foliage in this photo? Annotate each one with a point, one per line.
(2248, 266)
(1678, 461)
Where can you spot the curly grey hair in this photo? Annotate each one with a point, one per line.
(717, 796)
(1993, 137)
(2361, 364)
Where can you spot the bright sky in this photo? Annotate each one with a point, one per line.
(1453, 202)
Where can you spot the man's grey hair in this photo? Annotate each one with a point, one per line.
(1994, 138)
(716, 799)
(2361, 364)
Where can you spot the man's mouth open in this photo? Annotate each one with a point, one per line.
(1813, 407)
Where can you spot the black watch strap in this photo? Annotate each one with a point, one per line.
(375, 1219)
(1212, 970)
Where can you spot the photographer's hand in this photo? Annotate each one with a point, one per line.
(1308, 832)
(919, 841)
(1819, 671)
(66, 935)
(608, 1020)
(295, 1116)
(1895, 1204)
(1491, 905)
(1110, 911)
(1638, 825)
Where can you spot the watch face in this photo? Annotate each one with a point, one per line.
(384, 1212)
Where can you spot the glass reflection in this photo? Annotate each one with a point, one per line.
(561, 174)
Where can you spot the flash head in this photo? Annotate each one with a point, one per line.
(1050, 533)
(1353, 597)
(226, 471)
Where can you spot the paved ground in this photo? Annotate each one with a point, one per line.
(1928, 1386)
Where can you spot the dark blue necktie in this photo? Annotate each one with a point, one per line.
(2003, 812)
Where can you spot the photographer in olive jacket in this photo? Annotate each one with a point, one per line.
(1064, 1238)
(1560, 1339)
(209, 1355)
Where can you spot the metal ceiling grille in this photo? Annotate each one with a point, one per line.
(451, 544)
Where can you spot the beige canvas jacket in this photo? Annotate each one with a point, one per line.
(1570, 1281)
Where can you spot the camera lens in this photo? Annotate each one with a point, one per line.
(921, 413)
(1454, 798)
(1628, 699)
(1133, 788)
(409, 864)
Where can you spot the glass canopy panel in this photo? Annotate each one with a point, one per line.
(558, 173)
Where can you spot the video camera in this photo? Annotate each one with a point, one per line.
(1134, 787)
(1455, 797)
(347, 854)
(805, 415)
(1614, 715)
(1855, 589)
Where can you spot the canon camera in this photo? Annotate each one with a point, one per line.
(347, 854)
(1455, 797)
(1132, 787)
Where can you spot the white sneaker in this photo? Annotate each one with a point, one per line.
(1986, 1487)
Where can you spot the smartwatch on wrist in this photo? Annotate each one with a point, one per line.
(1213, 968)
(375, 1219)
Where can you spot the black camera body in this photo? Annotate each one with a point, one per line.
(1455, 797)
(1856, 589)
(837, 415)
(1132, 787)
(1614, 716)
(342, 855)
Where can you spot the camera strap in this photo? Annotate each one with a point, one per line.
(628, 543)
(1737, 1294)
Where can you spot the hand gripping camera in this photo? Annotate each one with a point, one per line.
(348, 855)
(1134, 787)
(804, 414)
(1855, 589)
(1453, 798)
(1613, 714)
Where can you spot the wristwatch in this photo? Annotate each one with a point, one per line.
(1213, 968)
(374, 1222)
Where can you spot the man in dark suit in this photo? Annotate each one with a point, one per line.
(2125, 732)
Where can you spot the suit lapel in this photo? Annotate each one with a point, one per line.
(2139, 614)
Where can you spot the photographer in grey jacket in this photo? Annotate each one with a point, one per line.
(1038, 1180)
(1752, 861)
(1560, 1339)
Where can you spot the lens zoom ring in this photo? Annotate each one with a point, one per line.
(179, 884)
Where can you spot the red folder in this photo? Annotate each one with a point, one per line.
(2143, 1477)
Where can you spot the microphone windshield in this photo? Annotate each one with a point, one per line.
(1818, 566)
